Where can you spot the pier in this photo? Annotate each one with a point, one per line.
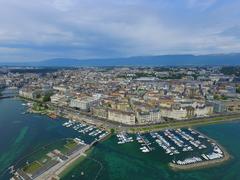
(145, 143)
(188, 148)
(200, 164)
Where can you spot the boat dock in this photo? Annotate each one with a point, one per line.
(186, 145)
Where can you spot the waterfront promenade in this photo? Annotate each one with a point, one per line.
(70, 113)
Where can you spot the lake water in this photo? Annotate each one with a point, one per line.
(127, 162)
(21, 133)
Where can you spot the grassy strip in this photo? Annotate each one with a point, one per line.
(39, 157)
(32, 167)
(70, 144)
(181, 124)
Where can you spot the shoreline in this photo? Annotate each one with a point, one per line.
(158, 127)
(80, 159)
(183, 124)
(219, 118)
(56, 171)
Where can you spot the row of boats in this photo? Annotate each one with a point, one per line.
(180, 138)
(162, 142)
(172, 141)
(90, 130)
(69, 123)
(145, 143)
(176, 141)
(124, 138)
(188, 161)
(190, 139)
(215, 154)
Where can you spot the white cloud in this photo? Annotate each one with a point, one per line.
(107, 28)
(63, 5)
(203, 4)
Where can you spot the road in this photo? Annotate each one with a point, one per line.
(71, 113)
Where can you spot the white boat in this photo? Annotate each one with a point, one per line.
(145, 150)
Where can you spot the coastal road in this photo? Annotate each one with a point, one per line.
(71, 113)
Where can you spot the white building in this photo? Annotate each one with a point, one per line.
(121, 117)
(60, 100)
(27, 93)
(84, 103)
(60, 88)
(186, 112)
(177, 114)
(205, 111)
(147, 117)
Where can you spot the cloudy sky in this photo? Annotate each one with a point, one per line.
(32, 30)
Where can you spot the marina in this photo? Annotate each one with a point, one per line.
(145, 143)
(124, 138)
(87, 131)
(185, 146)
(127, 155)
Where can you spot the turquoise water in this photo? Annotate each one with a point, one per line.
(127, 162)
(20, 134)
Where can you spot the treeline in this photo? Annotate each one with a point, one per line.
(37, 70)
(231, 70)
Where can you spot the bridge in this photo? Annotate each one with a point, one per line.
(8, 94)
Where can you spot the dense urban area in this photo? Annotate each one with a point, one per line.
(97, 101)
(131, 96)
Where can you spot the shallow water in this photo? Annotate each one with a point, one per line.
(20, 134)
(127, 162)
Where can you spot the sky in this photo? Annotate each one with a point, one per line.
(33, 30)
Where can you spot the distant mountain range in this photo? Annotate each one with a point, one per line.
(161, 60)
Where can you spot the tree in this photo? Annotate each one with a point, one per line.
(47, 97)
(112, 131)
(216, 96)
(38, 96)
(238, 90)
(224, 97)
